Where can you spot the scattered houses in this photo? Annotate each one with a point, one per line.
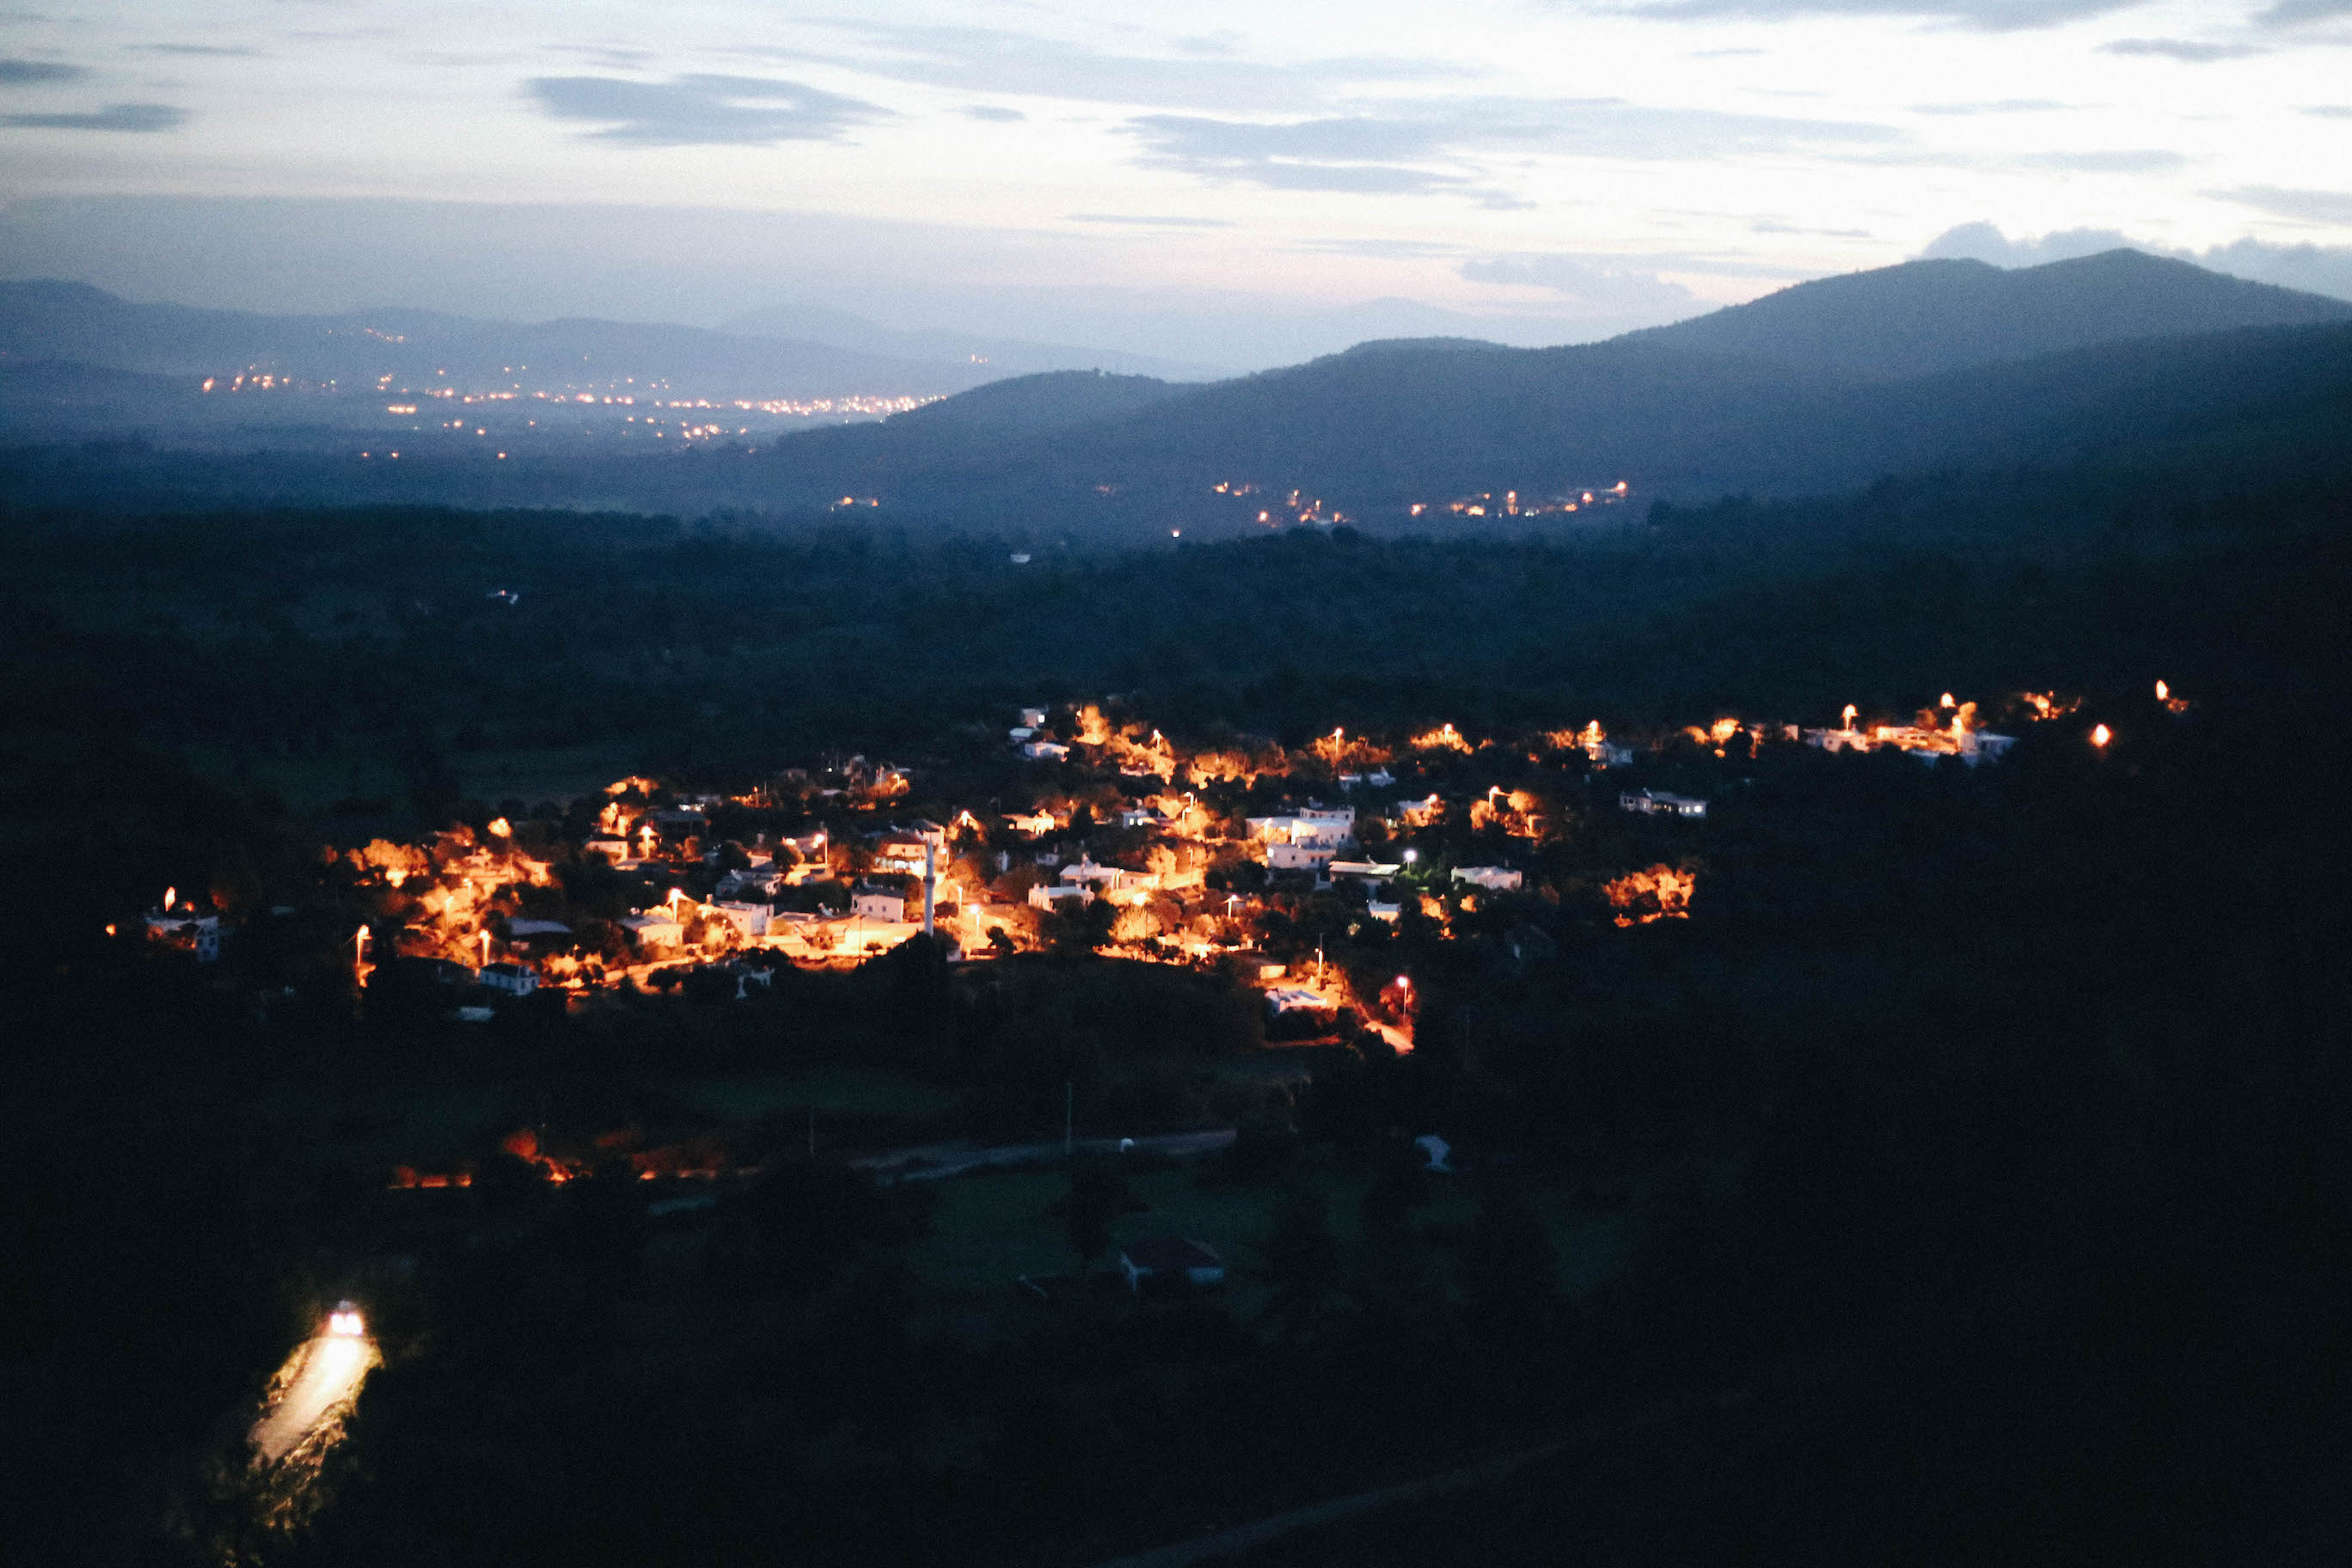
(1654, 802)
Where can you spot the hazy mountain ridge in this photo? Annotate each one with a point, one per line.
(1420, 420)
(52, 320)
(1921, 317)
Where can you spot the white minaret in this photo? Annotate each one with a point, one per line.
(931, 881)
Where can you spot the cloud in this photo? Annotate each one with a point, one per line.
(702, 110)
(2330, 111)
(992, 113)
(1990, 16)
(2294, 13)
(1598, 286)
(24, 73)
(2189, 51)
(2320, 270)
(1387, 152)
(1984, 242)
(2308, 207)
(994, 61)
(1769, 226)
(236, 51)
(1150, 220)
(2120, 161)
(135, 117)
(1996, 106)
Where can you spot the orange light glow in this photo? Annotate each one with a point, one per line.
(2163, 692)
(1659, 893)
(2101, 736)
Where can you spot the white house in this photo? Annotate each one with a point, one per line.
(872, 903)
(1654, 802)
(1328, 825)
(1299, 999)
(1086, 870)
(653, 929)
(1046, 894)
(1495, 879)
(749, 920)
(1364, 870)
(1032, 718)
(614, 849)
(1043, 751)
(762, 880)
(1311, 855)
(512, 978)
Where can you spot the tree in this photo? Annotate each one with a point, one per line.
(1098, 1195)
(1301, 1263)
(1506, 1263)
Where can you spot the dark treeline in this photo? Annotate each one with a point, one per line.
(729, 644)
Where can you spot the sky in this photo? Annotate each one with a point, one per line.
(1213, 181)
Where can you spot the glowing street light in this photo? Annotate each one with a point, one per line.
(2101, 736)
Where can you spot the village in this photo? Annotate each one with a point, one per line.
(1098, 835)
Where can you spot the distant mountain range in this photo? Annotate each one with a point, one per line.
(358, 350)
(1819, 387)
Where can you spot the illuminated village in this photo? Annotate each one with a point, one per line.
(1115, 840)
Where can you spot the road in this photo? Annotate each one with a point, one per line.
(319, 1381)
(932, 1160)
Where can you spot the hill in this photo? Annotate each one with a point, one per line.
(1927, 316)
(61, 320)
(1374, 432)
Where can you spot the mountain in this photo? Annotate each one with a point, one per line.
(1002, 356)
(1927, 316)
(1389, 423)
(418, 348)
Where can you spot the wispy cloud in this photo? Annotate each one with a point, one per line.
(1151, 220)
(989, 59)
(1990, 16)
(2118, 161)
(993, 113)
(2295, 13)
(1596, 284)
(2309, 207)
(1770, 225)
(2189, 51)
(1994, 106)
(1388, 148)
(702, 110)
(236, 51)
(131, 116)
(2330, 111)
(2320, 270)
(27, 73)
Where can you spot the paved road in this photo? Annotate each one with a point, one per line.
(933, 1161)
